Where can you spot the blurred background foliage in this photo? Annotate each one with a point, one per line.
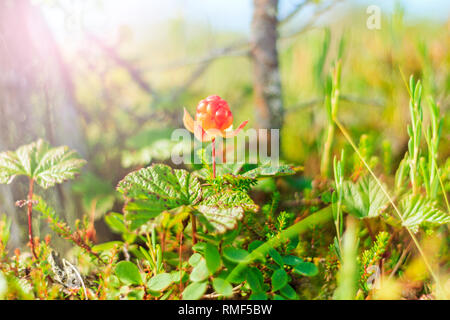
(124, 84)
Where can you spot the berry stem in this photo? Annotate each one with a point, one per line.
(29, 214)
(214, 157)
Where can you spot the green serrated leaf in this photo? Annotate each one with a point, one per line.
(46, 165)
(222, 219)
(364, 199)
(158, 188)
(267, 170)
(221, 169)
(418, 211)
(228, 199)
(223, 210)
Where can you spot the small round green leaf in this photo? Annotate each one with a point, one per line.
(255, 279)
(306, 269)
(160, 282)
(235, 254)
(195, 259)
(137, 294)
(288, 292)
(200, 271)
(258, 296)
(212, 257)
(291, 260)
(279, 279)
(276, 257)
(128, 273)
(194, 291)
(222, 287)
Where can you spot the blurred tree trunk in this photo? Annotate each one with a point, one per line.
(36, 100)
(266, 76)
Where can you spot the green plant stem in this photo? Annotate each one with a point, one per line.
(429, 147)
(300, 227)
(348, 273)
(30, 217)
(332, 104)
(325, 165)
(397, 211)
(213, 144)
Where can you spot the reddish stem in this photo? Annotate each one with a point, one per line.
(30, 216)
(194, 229)
(180, 250)
(214, 156)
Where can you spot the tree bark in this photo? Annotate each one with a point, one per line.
(36, 101)
(267, 82)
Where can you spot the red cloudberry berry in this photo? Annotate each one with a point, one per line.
(212, 118)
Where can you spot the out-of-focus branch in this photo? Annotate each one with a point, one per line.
(131, 69)
(239, 48)
(304, 105)
(204, 62)
(362, 100)
(293, 13)
(344, 97)
(199, 70)
(318, 12)
(242, 47)
(112, 53)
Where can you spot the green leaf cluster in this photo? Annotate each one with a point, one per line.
(42, 163)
